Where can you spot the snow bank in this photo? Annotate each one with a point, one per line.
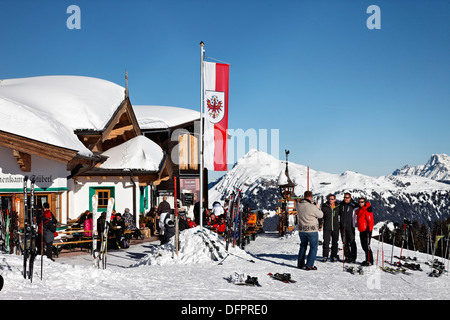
(193, 249)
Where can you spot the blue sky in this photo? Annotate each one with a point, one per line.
(342, 96)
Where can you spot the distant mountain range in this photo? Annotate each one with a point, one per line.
(418, 193)
(437, 168)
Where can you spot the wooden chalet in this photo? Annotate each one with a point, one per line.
(59, 129)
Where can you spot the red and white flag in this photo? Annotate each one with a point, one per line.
(216, 77)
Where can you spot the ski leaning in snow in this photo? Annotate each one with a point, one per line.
(30, 231)
(208, 245)
(284, 277)
(95, 251)
(229, 219)
(104, 245)
(213, 243)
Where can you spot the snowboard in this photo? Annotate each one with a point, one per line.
(240, 280)
(284, 277)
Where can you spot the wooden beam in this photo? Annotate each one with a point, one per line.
(125, 116)
(23, 160)
(119, 131)
(35, 147)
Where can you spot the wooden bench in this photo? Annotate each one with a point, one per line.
(62, 242)
(59, 245)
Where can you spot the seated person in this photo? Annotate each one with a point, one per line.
(213, 222)
(131, 225)
(117, 228)
(221, 226)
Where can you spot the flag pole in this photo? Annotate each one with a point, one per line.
(202, 52)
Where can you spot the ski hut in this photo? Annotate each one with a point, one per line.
(76, 136)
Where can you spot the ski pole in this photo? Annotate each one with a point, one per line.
(378, 248)
(176, 216)
(369, 250)
(343, 251)
(382, 249)
(42, 245)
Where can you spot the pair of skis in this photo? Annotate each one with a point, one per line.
(30, 230)
(234, 223)
(397, 270)
(100, 254)
(211, 245)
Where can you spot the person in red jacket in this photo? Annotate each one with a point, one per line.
(364, 222)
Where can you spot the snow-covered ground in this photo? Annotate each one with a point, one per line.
(149, 271)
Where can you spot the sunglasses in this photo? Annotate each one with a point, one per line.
(361, 202)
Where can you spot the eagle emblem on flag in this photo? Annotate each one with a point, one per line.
(215, 106)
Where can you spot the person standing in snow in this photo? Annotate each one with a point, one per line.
(364, 221)
(169, 230)
(330, 223)
(163, 210)
(308, 227)
(197, 213)
(346, 213)
(46, 222)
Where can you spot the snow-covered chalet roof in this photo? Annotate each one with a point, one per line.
(163, 117)
(51, 108)
(139, 153)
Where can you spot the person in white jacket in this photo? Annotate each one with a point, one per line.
(308, 227)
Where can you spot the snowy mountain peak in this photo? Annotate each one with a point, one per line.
(257, 175)
(437, 168)
(258, 157)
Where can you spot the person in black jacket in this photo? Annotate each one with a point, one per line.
(46, 222)
(330, 226)
(169, 231)
(346, 213)
(118, 228)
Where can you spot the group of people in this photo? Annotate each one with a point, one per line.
(161, 217)
(333, 218)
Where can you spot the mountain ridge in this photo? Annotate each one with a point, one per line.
(395, 196)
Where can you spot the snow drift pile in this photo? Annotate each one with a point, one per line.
(193, 249)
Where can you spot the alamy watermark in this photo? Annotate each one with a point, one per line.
(239, 142)
(74, 20)
(374, 20)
